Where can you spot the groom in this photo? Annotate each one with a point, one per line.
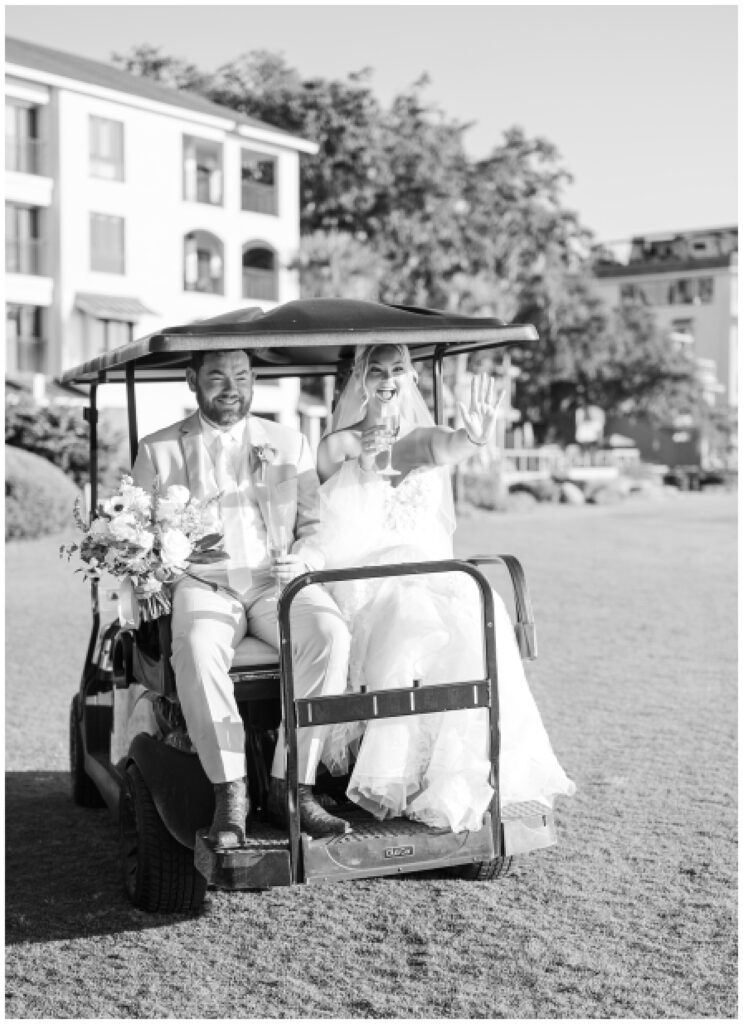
(217, 450)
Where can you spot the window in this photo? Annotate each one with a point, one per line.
(103, 336)
(23, 245)
(682, 331)
(681, 292)
(107, 243)
(258, 182)
(691, 290)
(22, 143)
(106, 148)
(260, 279)
(202, 171)
(203, 263)
(631, 293)
(26, 348)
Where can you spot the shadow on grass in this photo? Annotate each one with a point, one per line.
(62, 871)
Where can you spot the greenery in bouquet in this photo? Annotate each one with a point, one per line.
(148, 540)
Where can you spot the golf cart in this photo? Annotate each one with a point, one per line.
(155, 784)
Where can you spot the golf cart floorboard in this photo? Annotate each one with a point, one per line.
(371, 848)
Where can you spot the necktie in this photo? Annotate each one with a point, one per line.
(238, 574)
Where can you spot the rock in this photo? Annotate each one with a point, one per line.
(521, 501)
(609, 495)
(571, 494)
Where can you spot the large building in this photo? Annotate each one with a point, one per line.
(130, 207)
(690, 279)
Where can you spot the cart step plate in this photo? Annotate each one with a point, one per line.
(391, 848)
(261, 863)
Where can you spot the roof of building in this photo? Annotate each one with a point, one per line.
(106, 76)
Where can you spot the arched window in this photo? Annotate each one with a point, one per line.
(203, 263)
(260, 272)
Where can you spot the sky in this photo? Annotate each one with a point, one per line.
(641, 101)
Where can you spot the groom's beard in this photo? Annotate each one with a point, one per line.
(223, 415)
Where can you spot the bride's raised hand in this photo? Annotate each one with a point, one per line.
(481, 415)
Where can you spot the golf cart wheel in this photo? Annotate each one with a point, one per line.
(484, 870)
(84, 790)
(159, 873)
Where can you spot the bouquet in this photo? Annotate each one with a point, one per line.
(148, 541)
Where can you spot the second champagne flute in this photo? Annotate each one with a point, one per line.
(389, 418)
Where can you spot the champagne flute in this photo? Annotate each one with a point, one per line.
(389, 417)
(278, 536)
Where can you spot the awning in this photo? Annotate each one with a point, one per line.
(111, 307)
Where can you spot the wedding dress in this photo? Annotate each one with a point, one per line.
(433, 768)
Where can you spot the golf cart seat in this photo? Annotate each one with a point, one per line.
(144, 657)
(254, 653)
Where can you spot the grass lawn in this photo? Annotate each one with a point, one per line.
(632, 915)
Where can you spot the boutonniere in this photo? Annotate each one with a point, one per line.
(266, 455)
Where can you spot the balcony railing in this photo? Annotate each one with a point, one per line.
(24, 257)
(260, 284)
(259, 198)
(24, 155)
(26, 354)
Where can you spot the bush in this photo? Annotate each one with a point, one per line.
(38, 496)
(59, 434)
(483, 490)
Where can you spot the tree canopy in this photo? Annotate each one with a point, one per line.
(393, 208)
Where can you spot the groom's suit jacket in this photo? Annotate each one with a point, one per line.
(175, 455)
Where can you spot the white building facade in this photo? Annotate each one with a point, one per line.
(690, 279)
(131, 207)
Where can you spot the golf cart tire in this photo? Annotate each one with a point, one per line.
(159, 873)
(483, 870)
(84, 790)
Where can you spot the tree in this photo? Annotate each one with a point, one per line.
(587, 355)
(336, 264)
(146, 61)
(393, 208)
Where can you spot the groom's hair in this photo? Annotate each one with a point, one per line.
(197, 358)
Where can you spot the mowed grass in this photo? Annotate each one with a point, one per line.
(632, 915)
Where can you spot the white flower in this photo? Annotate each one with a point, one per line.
(148, 587)
(145, 540)
(178, 495)
(114, 505)
(266, 453)
(99, 528)
(135, 498)
(124, 527)
(169, 512)
(175, 547)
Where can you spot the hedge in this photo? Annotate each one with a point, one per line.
(39, 497)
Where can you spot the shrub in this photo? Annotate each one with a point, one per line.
(38, 496)
(59, 433)
(483, 490)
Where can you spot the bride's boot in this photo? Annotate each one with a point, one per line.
(313, 818)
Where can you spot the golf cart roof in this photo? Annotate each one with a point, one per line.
(301, 338)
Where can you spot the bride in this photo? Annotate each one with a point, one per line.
(434, 768)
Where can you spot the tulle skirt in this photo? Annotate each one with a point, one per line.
(435, 768)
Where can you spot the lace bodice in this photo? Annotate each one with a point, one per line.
(408, 508)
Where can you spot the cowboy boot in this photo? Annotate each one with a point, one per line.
(228, 826)
(313, 819)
